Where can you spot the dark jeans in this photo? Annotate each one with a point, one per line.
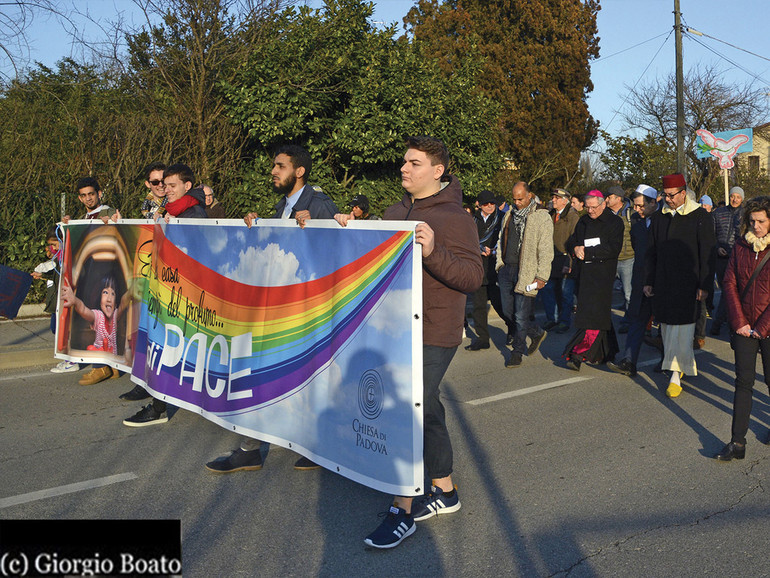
(437, 448)
(637, 324)
(746, 349)
(700, 322)
(721, 315)
(558, 295)
(517, 307)
(480, 297)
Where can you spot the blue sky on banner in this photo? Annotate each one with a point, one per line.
(237, 252)
(637, 44)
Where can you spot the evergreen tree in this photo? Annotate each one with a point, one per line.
(537, 57)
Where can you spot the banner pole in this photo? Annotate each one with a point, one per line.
(727, 194)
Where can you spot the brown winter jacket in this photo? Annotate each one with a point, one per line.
(754, 309)
(452, 269)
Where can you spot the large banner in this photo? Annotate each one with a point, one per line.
(307, 338)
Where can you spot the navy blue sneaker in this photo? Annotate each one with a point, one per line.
(396, 526)
(434, 503)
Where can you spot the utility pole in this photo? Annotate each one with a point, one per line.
(680, 161)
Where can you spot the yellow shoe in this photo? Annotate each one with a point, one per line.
(673, 390)
(115, 374)
(96, 375)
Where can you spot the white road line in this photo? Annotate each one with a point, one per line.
(526, 390)
(68, 489)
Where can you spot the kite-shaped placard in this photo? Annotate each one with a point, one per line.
(724, 145)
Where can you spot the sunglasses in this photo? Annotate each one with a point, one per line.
(156, 183)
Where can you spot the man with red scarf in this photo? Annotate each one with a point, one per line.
(183, 202)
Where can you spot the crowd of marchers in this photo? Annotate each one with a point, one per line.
(667, 251)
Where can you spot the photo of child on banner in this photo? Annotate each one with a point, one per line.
(100, 290)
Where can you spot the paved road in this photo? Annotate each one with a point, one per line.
(599, 477)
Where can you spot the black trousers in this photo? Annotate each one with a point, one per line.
(746, 350)
(437, 447)
(480, 297)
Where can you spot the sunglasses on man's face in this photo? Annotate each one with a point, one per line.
(156, 183)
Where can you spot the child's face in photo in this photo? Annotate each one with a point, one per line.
(51, 247)
(108, 302)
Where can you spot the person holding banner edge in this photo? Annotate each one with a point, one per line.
(451, 269)
(291, 169)
(90, 194)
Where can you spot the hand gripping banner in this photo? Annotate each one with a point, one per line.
(306, 338)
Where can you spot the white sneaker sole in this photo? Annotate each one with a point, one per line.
(406, 534)
(72, 369)
(432, 511)
(158, 421)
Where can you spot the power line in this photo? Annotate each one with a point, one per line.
(628, 94)
(735, 64)
(630, 47)
(699, 33)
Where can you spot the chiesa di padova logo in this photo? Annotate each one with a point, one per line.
(370, 400)
(370, 394)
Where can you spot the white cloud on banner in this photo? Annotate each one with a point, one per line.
(389, 315)
(215, 238)
(268, 267)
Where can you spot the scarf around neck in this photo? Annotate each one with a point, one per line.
(759, 244)
(179, 206)
(520, 217)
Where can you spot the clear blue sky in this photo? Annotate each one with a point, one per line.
(631, 33)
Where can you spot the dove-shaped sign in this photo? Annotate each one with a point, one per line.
(724, 146)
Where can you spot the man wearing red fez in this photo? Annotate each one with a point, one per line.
(596, 243)
(678, 271)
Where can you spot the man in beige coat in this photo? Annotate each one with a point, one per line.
(524, 255)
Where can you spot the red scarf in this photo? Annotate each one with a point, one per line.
(181, 205)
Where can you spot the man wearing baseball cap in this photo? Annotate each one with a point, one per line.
(359, 206)
(558, 294)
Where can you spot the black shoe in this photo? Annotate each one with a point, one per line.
(716, 328)
(514, 360)
(146, 416)
(732, 451)
(658, 368)
(573, 363)
(548, 325)
(535, 343)
(136, 394)
(238, 460)
(305, 464)
(477, 346)
(623, 366)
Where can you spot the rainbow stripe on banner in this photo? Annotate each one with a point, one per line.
(289, 333)
(272, 329)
